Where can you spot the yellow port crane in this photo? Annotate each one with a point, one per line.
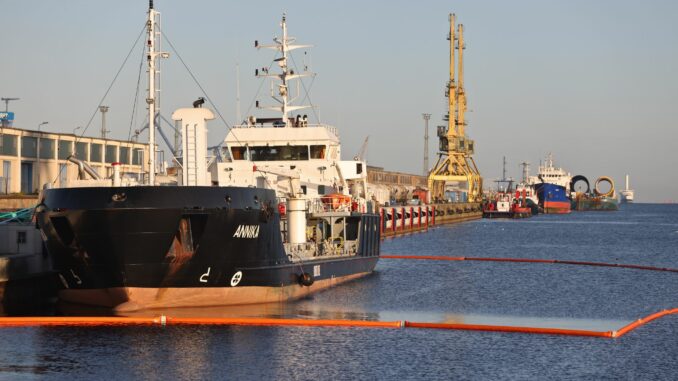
(455, 161)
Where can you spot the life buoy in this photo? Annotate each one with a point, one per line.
(306, 279)
(335, 201)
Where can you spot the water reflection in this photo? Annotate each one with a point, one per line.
(318, 311)
(293, 310)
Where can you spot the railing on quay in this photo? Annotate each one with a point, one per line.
(407, 219)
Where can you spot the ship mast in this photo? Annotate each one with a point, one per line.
(284, 45)
(150, 26)
(153, 43)
(526, 171)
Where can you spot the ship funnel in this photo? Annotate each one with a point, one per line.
(193, 145)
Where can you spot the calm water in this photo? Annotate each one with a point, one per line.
(561, 296)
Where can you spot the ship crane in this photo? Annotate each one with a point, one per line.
(362, 154)
(455, 157)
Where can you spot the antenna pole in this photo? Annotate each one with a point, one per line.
(503, 171)
(238, 117)
(283, 65)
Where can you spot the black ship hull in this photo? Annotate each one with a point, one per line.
(151, 247)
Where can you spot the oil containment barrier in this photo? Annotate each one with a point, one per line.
(163, 320)
(90, 321)
(167, 320)
(528, 260)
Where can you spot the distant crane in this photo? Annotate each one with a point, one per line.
(362, 155)
(455, 150)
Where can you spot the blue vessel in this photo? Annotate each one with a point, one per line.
(553, 198)
(552, 187)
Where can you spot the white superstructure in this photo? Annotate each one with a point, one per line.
(552, 175)
(626, 193)
(271, 152)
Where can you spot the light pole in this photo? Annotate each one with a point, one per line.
(427, 117)
(104, 131)
(38, 149)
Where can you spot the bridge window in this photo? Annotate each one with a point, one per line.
(317, 152)
(274, 153)
(239, 153)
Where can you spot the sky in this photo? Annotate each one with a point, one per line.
(593, 82)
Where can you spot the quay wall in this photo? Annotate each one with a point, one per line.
(399, 220)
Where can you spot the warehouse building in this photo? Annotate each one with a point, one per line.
(29, 159)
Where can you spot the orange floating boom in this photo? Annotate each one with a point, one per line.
(643, 321)
(285, 322)
(528, 260)
(164, 320)
(504, 328)
(78, 320)
(430, 257)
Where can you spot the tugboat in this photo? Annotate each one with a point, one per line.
(212, 239)
(504, 204)
(527, 192)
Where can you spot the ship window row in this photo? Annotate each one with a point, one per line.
(64, 148)
(275, 153)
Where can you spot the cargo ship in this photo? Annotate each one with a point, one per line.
(253, 229)
(552, 188)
